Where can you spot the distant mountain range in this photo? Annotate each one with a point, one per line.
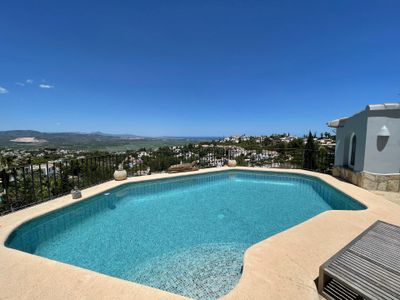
(95, 140)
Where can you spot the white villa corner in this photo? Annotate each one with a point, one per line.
(368, 147)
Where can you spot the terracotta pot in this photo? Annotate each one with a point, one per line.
(232, 163)
(120, 175)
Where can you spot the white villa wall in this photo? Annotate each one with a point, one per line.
(382, 155)
(377, 160)
(357, 125)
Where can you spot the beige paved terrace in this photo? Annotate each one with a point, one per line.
(391, 196)
(283, 266)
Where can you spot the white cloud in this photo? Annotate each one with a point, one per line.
(20, 83)
(46, 86)
(3, 90)
(30, 81)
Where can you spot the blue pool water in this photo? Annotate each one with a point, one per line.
(185, 235)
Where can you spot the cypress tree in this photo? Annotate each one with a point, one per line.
(310, 154)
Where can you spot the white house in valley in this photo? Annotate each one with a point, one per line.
(368, 147)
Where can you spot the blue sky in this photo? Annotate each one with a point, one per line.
(194, 67)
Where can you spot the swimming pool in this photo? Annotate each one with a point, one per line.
(186, 235)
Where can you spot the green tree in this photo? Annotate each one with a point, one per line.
(310, 153)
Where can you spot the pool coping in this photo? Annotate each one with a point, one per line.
(283, 266)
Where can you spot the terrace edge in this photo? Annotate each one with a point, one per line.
(283, 266)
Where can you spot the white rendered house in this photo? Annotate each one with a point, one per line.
(368, 147)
